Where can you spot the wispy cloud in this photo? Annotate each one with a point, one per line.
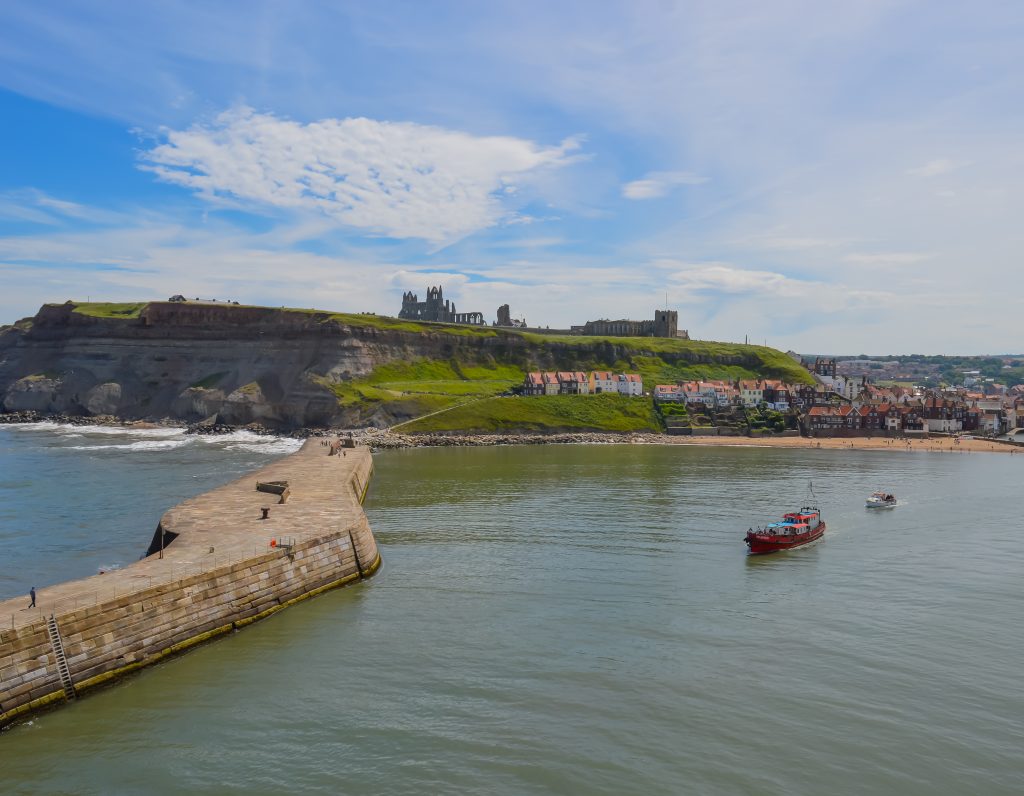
(938, 166)
(398, 179)
(38, 207)
(886, 258)
(723, 278)
(659, 183)
(790, 242)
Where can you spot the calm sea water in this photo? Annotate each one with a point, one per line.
(584, 619)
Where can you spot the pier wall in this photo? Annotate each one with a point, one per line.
(118, 633)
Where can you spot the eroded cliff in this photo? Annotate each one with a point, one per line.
(292, 368)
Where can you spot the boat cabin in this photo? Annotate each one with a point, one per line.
(787, 528)
(806, 516)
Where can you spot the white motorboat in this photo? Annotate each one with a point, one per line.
(882, 500)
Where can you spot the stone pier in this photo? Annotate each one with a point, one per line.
(221, 567)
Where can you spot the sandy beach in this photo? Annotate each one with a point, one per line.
(383, 439)
(931, 445)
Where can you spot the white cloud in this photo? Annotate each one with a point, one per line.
(658, 183)
(723, 278)
(886, 258)
(933, 168)
(398, 179)
(37, 207)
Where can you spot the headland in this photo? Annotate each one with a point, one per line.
(216, 563)
(288, 369)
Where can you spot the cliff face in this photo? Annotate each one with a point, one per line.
(280, 368)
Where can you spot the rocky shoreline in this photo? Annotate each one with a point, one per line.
(376, 438)
(29, 416)
(381, 439)
(384, 439)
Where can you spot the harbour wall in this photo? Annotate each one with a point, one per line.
(223, 568)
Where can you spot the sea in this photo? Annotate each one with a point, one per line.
(567, 619)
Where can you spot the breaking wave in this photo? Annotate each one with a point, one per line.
(141, 445)
(128, 438)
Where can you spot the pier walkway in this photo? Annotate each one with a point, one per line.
(222, 566)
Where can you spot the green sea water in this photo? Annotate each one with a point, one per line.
(584, 619)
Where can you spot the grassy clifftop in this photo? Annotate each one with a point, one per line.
(656, 359)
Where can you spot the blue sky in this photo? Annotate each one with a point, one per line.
(823, 176)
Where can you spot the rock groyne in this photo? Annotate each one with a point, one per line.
(216, 563)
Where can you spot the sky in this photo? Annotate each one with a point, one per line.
(820, 176)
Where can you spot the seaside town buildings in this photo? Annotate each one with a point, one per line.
(817, 410)
(579, 383)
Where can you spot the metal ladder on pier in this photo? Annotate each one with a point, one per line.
(62, 662)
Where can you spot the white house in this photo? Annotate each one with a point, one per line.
(630, 384)
(751, 392)
(715, 393)
(603, 381)
(692, 393)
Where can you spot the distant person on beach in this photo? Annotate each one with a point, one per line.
(32, 594)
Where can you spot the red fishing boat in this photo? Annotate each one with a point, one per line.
(796, 529)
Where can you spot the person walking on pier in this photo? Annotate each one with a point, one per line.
(32, 594)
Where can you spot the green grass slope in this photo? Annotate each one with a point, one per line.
(409, 389)
(125, 310)
(547, 413)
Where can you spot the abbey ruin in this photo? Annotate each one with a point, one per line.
(436, 308)
(440, 310)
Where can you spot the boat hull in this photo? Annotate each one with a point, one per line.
(762, 544)
(871, 505)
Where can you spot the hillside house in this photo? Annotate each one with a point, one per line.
(871, 419)
(580, 383)
(943, 415)
(630, 384)
(669, 394)
(573, 383)
(776, 395)
(533, 384)
(824, 419)
(603, 381)
(691, 392)
(802, 396)
(751, 392)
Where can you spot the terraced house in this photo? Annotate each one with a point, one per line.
(580, 383)
(603, 381)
